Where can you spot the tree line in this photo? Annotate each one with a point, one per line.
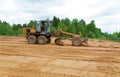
(13, 30)
(73, 26)
(81, 27)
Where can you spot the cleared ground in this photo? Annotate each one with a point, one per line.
(20, 59)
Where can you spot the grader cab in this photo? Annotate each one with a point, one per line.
(39, 34)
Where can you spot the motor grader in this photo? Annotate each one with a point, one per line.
(41, 35)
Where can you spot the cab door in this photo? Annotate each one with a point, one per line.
(38, 26)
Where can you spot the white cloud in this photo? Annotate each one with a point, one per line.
(104, 12)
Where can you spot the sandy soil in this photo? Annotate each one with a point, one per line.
(20, 59)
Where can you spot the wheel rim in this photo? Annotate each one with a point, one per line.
(32, 39)
(42, 40)
(76, 41)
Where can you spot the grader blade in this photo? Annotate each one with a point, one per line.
(58, 41)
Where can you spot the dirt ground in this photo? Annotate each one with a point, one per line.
(20, 59)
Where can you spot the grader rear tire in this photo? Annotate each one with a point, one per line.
(76, 41)
(42, 40)
(32, 39)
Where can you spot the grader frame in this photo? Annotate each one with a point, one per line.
(76, 39)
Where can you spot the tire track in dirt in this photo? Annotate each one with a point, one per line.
(99, 58)
(19, 59)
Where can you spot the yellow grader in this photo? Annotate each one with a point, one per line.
(41, 35)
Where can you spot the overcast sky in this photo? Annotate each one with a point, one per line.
(106, 13)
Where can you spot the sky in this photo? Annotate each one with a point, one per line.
(106, 13)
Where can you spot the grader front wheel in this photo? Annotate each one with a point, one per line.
(76, 41)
